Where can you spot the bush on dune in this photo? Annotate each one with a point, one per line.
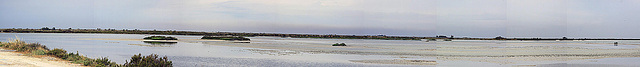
(103, 62)
(31, 47)
(21, 46)
(58, 53)
(77, 58)
(152, 60)
(39, 52)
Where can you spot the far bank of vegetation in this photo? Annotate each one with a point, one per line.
(35, 49)
(174, 32)
(330, 36)
(231, 38)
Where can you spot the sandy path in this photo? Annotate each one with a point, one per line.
(12, 59)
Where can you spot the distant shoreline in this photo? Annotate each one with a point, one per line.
(330, 36)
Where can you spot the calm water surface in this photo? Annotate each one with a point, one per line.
(120, 47)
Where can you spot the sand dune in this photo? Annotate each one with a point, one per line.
(12, 59)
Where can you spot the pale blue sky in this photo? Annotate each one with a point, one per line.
(476, 18)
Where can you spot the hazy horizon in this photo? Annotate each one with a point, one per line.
(486, 18)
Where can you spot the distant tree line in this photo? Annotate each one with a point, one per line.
(332, 36)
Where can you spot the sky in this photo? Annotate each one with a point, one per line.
(462, 18)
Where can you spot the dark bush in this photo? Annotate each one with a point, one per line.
(74, 57)
(30, 47)
(148, 61)
(104, 62)
(58, 53)
(39, 52)
(21, 46)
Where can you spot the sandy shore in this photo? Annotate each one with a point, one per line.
(13, 59)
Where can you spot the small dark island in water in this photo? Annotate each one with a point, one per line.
(230, 38)
(339, 44)
(160, 40)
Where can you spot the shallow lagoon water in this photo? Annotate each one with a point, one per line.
(278, 52)
(118, 48)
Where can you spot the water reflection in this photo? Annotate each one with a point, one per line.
(242, 42)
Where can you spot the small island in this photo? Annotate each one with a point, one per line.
(160, 39)
(339, 44)
(229, 38)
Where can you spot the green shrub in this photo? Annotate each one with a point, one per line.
(339, 44)
(82, 61)
(39, 52)
(74, 57)
(100, 62)
(58, 53)
(85, 62)
(104, 62)
(28, 47)
(21, 46)
(148, 61)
